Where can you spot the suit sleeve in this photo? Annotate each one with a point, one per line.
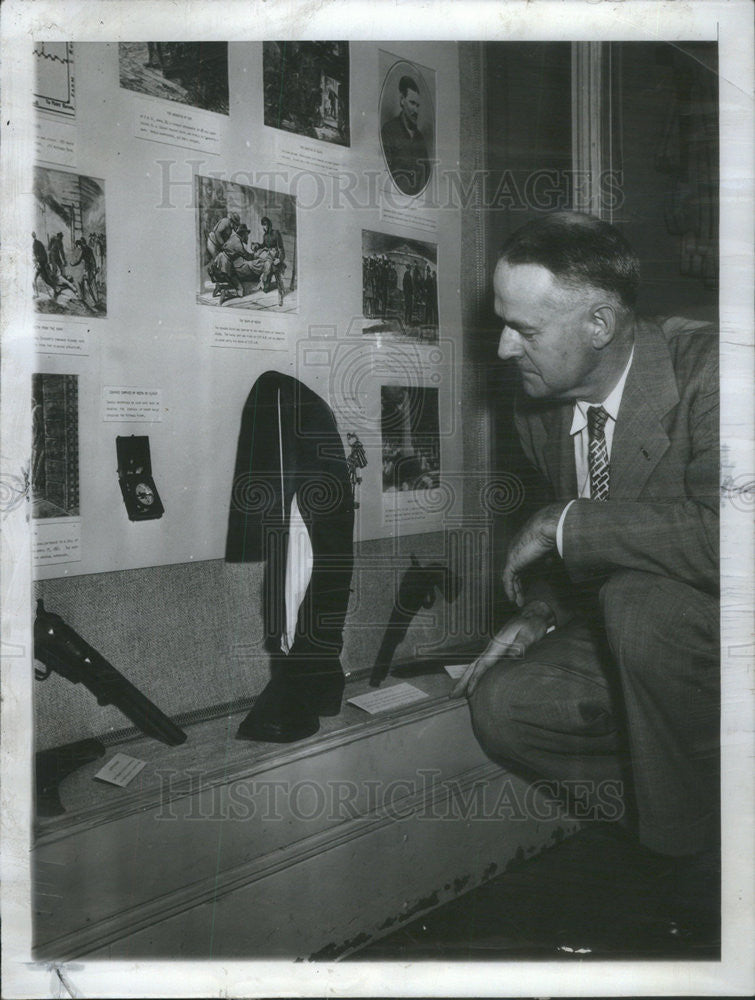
(676, 538)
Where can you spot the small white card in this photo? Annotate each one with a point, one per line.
(120, 769)
(455, 670)
(385, 698)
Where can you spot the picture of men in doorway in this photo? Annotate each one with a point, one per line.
(399, 287)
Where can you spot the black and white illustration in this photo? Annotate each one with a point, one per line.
(54, 83)
(407, 122)
(194, 73)
(399, 287)
(410, 430)
(69, 244)
(246, 244)
(55, 446)
(307, 89)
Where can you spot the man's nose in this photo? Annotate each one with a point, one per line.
(510, 344)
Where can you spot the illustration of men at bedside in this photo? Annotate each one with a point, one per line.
(234, 265)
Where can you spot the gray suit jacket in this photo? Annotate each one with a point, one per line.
(662, 515)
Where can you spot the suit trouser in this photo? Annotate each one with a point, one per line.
(629, 693)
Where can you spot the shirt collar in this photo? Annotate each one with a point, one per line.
(610, 404)
(407, 128)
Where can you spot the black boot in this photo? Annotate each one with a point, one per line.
(322, 684)
(301, 689)
(281, 713)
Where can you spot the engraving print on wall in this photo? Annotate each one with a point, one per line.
(55, 446)
(399, 287)
(69, 244)
(410, 429)
(194, 73)
(246, 247)
(307, 89)
(407, 122)
(54, 85)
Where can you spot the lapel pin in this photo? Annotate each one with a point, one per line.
(644, 453)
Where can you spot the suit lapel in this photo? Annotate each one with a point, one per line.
(640, 439)
(558, 452)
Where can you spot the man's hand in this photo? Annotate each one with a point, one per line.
(513, 640)
(536, 539)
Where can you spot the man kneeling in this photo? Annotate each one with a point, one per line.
(609, 671)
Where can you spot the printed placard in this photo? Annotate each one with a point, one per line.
(55, 142)
(247, 334)
(178, 128)
(301, 155)
(56, 542)
(120, 770)
(60, 338)
(408, 217)
(131, 403)
(386, 698)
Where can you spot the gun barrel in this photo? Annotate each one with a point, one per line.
(394, 633)
(63, 650)
(146, 716)
(416, 590)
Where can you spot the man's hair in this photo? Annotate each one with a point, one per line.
(407, 83)
(579, 250)
(264, 220)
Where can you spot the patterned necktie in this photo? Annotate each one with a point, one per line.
(598, 453)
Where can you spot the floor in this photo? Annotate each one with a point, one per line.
(595, 895)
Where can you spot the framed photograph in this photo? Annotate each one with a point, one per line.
(410, 430)
(69, 244)
(246, 247)
(194, 73)
(399, 287)
(55, 446)
(307, 89)
(407, 122)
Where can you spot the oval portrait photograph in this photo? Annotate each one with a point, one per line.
(407, 122)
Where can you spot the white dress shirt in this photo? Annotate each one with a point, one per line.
(299, 562)
(581, 439)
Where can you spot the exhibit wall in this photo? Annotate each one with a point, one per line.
(143, 329)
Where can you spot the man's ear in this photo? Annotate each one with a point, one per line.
(604, 323)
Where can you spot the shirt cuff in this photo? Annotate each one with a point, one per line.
(560, 530)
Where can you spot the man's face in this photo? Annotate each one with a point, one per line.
(410, 107)
(546, 331)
